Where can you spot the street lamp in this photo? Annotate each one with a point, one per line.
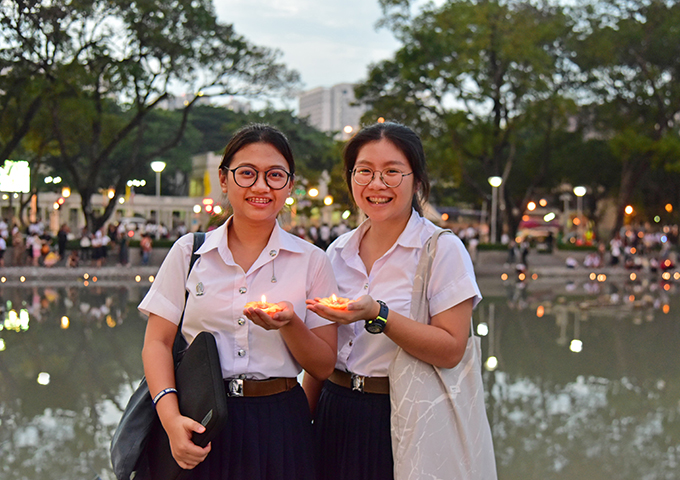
(579, 192)
(495, 182)
(158, 166)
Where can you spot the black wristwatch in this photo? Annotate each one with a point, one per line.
(377, 325)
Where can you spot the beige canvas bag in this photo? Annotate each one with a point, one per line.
(439, 425)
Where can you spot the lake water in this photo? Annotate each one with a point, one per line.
(583, 376)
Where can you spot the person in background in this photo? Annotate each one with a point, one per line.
(146, 245)
(269, 432)
(62, 240)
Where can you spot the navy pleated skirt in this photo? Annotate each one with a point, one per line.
(352, 432)
(266, 438)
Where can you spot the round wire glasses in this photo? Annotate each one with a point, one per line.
(391, 177)
(276, 178)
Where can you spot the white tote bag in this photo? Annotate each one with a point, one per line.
(439, 425)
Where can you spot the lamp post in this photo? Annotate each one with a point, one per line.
(579, 192)
(158, 166)
(495, 182)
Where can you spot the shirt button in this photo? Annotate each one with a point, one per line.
(242, 290)
(241, 321)
(365, 286)
(351, 343)
(272, 253)
(241, 353)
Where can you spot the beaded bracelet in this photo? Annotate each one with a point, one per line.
(162, 393)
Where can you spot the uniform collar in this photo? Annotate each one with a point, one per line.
(410, 237)
(279, 240)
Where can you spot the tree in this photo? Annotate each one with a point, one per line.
(108, 64)
(629, 53)
(466, 77)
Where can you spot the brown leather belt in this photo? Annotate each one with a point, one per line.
(360, 383)
(238, 387)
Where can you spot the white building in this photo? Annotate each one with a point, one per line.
(332, 109)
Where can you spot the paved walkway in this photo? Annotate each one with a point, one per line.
(488, 264)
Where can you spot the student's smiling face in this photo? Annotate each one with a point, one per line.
(259, 201)
(377, 200)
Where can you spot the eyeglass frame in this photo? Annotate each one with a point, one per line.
(382, 179)
(289, 176)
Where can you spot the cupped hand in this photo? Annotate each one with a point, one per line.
(363, 308)
(185, 452)
(271, 322)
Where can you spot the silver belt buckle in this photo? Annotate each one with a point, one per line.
(236, 387)
(357, 383)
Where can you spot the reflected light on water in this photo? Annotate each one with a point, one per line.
(2, 345)
(576, 345)
(43, 378)
(491, 363)
(666, 308)
(110, 321)
(65, 322)
(17, 322)
(540, 311)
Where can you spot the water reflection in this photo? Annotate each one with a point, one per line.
(586, 378)
(70, 357)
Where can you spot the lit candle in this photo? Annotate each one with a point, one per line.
(268, 308)
(335, 302)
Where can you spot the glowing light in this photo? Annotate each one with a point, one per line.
(138, 278)
(534, 276)
(111, 193)
(666, 308)
(65, 192)
(676, 276)
(576, 221)
(601, 277)
(631, 298)
(151, 278)
(208, 201)
(482, 329)
(580, 191)
(666, 275)
(2, 345)
(542, 202)
(346, 214)
(628, 210)
(381, 120)
(657, 219)
(22, 279)
(217, 209)
(491, 363)
(86, 276)
(110, 321)
(313, 192)
(43, 378)
(65, 322)
(55, 205)
(445, 216)
(121, 200)
(348, 129)
(525, 218)
(522, 277)
(669, 207)
(576, 345)
(3, 279)
(531, 206)
(540, 311)
(94, 279)
(633, 250)
(592, 276)
(197, 209)
(633, 276)
(86, 283)
(667, 287)
(549, 217)
(328, 200)
(495, 181)
(290, 201)
(504, 276)
(208, 208)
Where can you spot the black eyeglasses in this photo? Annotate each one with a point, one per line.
(276, 178)
(391, 177)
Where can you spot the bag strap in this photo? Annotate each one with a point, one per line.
(421, 281)
(179, 344)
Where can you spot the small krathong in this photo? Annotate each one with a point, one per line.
(268, 308)
(335, 302)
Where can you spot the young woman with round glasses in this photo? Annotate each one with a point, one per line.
(268, 433)
(376, 264)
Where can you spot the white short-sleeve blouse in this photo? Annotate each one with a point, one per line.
(391, 280)
(288, 269)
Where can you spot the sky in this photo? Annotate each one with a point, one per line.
(326, 41)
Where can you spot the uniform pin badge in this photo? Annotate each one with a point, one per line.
(199, 289)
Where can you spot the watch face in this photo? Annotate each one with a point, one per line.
(374, 327)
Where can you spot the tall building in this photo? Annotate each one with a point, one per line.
(332, 109)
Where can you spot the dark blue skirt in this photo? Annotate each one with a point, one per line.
(266, 438)
(352, 432)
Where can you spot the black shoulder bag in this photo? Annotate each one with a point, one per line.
(132, 434)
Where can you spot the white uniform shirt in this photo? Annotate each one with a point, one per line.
(391, 280)
(219, 289)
